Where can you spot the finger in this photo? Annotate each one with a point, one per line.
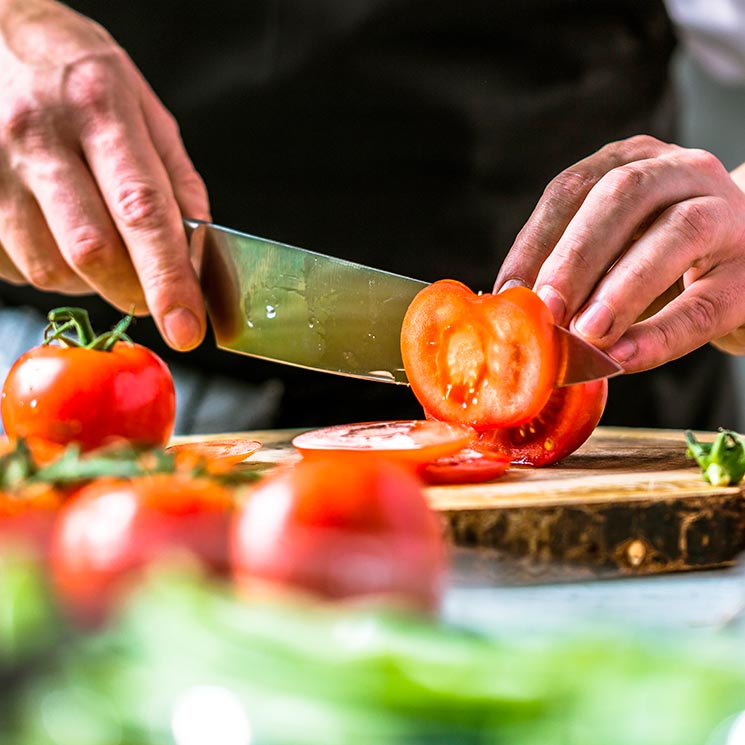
(31, 250)
(82, 228)
(610, 217)
(138, 194)
(708, 309)
(188, 186)
(560, 201)
(690, 232)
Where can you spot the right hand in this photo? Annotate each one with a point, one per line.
(94, 177)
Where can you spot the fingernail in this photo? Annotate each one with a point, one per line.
(553, 301)
(512, 283)
(622, 351)
(595, 321)
(182, 328)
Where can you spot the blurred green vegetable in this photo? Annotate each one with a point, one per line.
(188, 663)
(723, 460)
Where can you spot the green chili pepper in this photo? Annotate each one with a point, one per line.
(723, 460)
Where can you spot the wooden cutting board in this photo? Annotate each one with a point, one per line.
(628, 502)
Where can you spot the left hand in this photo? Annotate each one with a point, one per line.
(626, 226)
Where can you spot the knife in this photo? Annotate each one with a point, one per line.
(286, 304)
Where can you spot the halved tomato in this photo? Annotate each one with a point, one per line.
(479, 359)
(565, 423)
(411, 441)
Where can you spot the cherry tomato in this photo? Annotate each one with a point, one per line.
(111, 528)
(469, 466)
(411, 441)
(567, 420)
(341, 526)
(479, 359)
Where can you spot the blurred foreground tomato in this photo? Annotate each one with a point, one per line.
(113, 527)
(79, 387)
(341, 526)
(27, 517)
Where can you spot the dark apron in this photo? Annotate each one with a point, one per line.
(412, 136)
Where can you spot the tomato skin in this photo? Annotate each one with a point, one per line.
(564, 424)
(469, 466)
(71, 394)
(27, 518)
(343, 526)
(111, 528)
(479, 359)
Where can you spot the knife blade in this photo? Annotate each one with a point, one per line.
(293, 306)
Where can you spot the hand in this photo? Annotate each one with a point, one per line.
(639, 220)
(94, 177)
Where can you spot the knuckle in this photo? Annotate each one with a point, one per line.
(88, 251)
(704, 161)
(89, 85)
(696, 225)
(45, 276)
(139, 205)
(23, 122)
(568, 187)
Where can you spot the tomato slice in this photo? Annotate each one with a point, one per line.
(411, 441)
(479, 359)
(468, 466)
(225, 451)
(565, 423)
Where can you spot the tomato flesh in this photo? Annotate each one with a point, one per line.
(482, 360)
(411, 441)
(565, 423)
(341, 525)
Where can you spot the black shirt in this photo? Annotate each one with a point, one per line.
(412, 136)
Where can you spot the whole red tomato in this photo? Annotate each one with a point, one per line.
(342, 526)
(113, 527)
(91, 391)
(565, 423)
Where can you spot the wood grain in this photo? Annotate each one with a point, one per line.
(628, 502)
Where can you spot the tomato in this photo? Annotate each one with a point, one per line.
(341, 526)
(111, 528)
(411, 441)
(90, 395)
(218, 454)
(566, 422)
(469, 466)
(27, 517)
(479, 359)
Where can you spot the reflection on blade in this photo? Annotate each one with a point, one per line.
(298, 307)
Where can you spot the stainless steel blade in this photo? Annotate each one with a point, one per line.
(580, 362)
(298, 307)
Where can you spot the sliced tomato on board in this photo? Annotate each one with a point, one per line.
(217, 453)
(412, 441)
(565, 423)
(471, 465)
(479, 359)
